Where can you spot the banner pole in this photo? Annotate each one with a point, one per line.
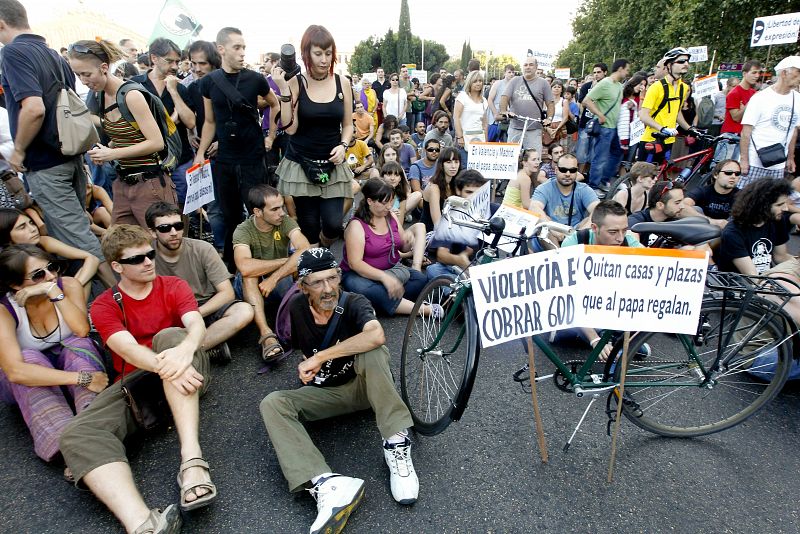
(621, 389)
(537, 416)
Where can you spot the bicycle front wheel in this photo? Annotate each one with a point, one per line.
(668, 390)
(439, 357)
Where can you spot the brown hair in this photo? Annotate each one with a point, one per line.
(13, 260)
(104, 51)
(122, 236)
(316, 35)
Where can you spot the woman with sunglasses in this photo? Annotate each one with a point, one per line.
(46, 354)
(440, 187)
(715, 200)
(140, 178)
(395, 99)
(16, 228)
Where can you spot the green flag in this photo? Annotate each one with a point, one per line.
(176, 23)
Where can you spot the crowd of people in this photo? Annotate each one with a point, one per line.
(302, 162)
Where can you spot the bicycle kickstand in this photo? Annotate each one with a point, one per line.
(580, 422)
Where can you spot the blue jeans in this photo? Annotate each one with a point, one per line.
(439, 269)
(217, 222)
(584, 150)
(376, 293)
(727, 150)
(179, 179)
(607, 155)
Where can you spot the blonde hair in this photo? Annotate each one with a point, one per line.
(103, 51)
(471, 79)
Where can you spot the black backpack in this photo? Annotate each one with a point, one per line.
(666, 100)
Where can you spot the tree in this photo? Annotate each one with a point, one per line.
(466, 55)
(494, 65)
(366, 56)
(404, 36)
(388, 52)
(435, 55)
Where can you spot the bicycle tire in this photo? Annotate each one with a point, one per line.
(616, 186)
(688, 411)
(436, 386)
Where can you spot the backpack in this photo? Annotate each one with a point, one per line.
(283, 321)
(585, 234)
(705, 112)
(666, 100)
(170, 155)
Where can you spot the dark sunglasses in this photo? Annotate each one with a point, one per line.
(138, 259)
(433, 149)
(81, 49)
(39, 275)
(681, 61)
(668, 187)
(731, 173)
(165, 228)
(570, 170)
(395, 80)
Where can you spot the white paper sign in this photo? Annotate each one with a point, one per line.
(516, 219)
(544, 60)
(199, 187)
(637, 131)
(421, 75)
(562, 73)
(447, 232)
(698, 53)
(615, 288)
(496, 161)
(777, 29)
(705, 86)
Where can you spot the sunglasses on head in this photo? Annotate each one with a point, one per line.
(165, 228)
(668, 187)
(39, 275)
(568, 170)
(138, 259)
(731, 173)
(81, 49)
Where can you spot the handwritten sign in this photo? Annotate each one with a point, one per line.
(421, 75)
(496, 161)
(615, 288)
(705, 86)
(200, 187)
(516, 219)
(698, 54)
(777, 29)
(637, 131)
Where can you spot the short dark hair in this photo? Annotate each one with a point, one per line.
(159, 209)
(62, 49)
(373, 189)
(662, 192)
(144, 59)
(750, 64)
(468, 177)
(621, 63)
(13, 13)
(430, 140)
(162, 46)
(473, 64)
(438, 114)
(272, 56)
(718, 167)
(225, 33)
(403, 128)
(256, 197)
(13, 260)
(212, 55)
(602, 66)
(395, 131)
(754, 202)
(606, 208)
(8, 219)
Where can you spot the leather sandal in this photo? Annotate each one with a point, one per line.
(268, 353)
(202, 500)
(167, 522)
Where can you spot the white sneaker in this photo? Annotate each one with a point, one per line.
(405, 484)
(337, 496)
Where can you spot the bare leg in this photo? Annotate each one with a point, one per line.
(235, 318)
(253, 296)
(186, 413)
(106, 275)
(418, 231)
(113, 485)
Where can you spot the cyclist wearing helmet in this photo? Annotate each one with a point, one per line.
(661, 110)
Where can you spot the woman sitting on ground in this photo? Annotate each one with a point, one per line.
(440, 187)
(382, 135)
(387, 154)
(43, 329)
(520, 189)
(404, 201)
(640, 179)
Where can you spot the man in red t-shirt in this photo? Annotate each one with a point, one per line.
(156, 328)
(735, 102)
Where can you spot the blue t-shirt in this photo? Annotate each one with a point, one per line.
(28, 69)
(421, 173)
(404, 157)
(572, 240)
(556, 204)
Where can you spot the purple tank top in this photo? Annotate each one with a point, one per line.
(378, 247)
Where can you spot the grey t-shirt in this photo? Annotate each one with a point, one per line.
(200, 265)
(521, 103)
(444, 139)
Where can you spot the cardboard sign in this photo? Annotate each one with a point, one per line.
(698, 54)
(637, 131)
(495, 161)
(617, 288)
(562, 73)
(705, 86)
(777, 29)
(199, 187)
(544, 60)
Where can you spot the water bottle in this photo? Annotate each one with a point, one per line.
(684, 175)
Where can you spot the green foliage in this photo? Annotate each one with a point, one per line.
(388, 50)
(466, 55)
(366, 56)
(404, 36)
(494, 65)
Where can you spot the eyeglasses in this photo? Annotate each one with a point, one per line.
(731, 173)
(169, 61)
(568, 170)
(681, 61)
(165, 228)
(317, 284)
(138, 259)
(39, 275)
(81, 49)
(433, 149)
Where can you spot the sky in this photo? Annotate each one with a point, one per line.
(508, 26)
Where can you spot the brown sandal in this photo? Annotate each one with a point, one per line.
(268, 353)
(201, 500)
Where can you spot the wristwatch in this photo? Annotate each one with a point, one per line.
(345, 144)
(58, 298)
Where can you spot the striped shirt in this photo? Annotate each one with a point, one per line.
(124, 135)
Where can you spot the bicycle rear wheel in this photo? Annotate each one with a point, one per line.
(664, 391)
(439, 357)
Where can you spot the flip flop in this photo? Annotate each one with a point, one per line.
(203, 500)
(268, 353)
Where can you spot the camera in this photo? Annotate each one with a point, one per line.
(289, 61)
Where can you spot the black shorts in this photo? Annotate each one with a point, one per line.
(217, 315)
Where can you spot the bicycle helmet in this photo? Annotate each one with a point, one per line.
(674, 54)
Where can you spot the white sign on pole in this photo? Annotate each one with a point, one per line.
(615, 288)
(777, 29)
(496, 161)
(637, 131)
(705, 86)
(698, 53)
(545, 60)
(199, 187)
(562, 73)
(421, 75)
(516, 219)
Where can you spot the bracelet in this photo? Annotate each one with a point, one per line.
(84, 379)
(287, 98)
(58, 298)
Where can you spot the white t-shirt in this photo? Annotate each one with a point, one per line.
(558, 113)
(473, 113)
(769, 114)
(395, 104)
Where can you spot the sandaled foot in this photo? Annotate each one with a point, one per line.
(270, 350)
(199, 493)
(167, 522)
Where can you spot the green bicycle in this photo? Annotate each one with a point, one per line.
(676, 385)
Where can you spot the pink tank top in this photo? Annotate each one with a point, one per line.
(381, 251)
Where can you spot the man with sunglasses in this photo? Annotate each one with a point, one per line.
(715, 200)
(199, 264)
(563, 199)
(664, 203)
(345, 369)
(421, 170)
(156, 327)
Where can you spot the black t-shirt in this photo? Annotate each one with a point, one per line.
(586, 115)
(166, 98)
(308, 336)
(757, 243)
(247, 143)
(645, 238)
(379, 88)
(712, 203)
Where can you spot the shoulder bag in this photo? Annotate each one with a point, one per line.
(775, 153)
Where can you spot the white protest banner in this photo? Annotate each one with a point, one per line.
(199, 187)
(516, 219)
(495, 161)
(777, 29)
(616, 288)
(421, 75)
(637, 131)
(562, 73)
(544, 60)
(698, 54)
(447, 232)
(705, 86)
(369, 76)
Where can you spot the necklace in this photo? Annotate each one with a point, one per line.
(320, 79)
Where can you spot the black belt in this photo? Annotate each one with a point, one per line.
(133, 178)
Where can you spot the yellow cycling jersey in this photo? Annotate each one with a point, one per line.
(667, 116)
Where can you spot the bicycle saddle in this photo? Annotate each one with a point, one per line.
(683, 230)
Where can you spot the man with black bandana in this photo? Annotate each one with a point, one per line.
(349, 374)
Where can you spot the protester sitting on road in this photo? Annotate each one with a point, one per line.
(261, 246)
(405, 200)
(421, 170)
(406, 155)
(715, 200)
(547, 170)
(564, 200)
(388, 153)
(46, 357)
(199, 264)
(440, 127)
(664, 203)
(374, 240)
(382, 135)
(440, 187)
(519, 190)
(16, 228)
(633, 194)
(154, 326)
(346, 369)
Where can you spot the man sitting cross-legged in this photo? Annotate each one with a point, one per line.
(349, 374)
(199, 264)
(155, 328)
